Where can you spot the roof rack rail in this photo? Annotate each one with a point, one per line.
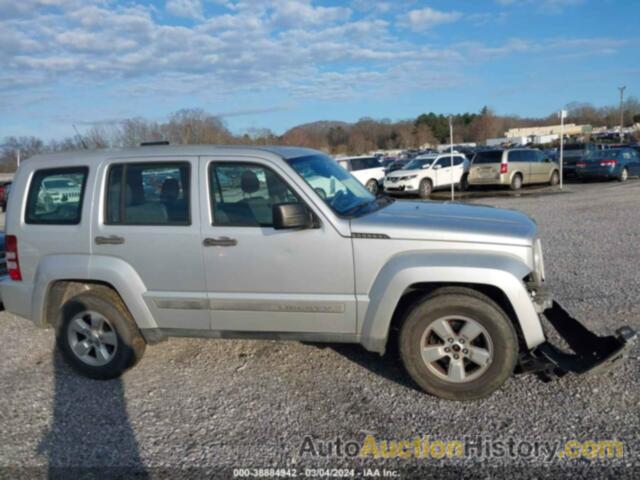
(153, 144)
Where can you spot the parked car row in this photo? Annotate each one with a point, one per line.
(508, 167)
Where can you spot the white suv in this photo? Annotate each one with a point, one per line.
(426, 173)
(368, 170)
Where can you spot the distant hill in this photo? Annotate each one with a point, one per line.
(321, 127)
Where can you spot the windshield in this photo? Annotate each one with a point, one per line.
(418, 163)
(337, 187)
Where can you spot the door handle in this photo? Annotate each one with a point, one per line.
(220, 242)
(110, 240)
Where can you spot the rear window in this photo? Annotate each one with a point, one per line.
(494, 156)
(364, 163)
(55, 196)
(574, 146)
(605, 154)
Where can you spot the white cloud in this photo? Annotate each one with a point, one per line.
(543, 6)
(296, 13)
(185, 8)
(427, 18)
(293, 47)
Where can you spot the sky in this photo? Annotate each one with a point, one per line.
(276, 64)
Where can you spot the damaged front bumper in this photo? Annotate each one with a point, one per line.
(590, 352)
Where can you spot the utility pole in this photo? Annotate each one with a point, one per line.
(622, 89)
(17, 158)
(453, 195)
(562, 115)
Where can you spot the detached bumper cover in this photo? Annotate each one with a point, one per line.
(590, 352)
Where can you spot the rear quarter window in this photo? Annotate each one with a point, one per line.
(55, 196)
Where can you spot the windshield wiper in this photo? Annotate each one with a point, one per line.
(357, 208)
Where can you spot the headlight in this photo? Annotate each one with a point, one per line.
(408, 177)
(538, 261)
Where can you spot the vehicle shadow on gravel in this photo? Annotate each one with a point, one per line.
(90, 435)
(388, 366)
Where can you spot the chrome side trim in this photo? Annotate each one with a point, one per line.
(251, 305)
(280, 306)
(181, 304)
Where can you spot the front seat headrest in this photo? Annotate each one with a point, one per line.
(249, 182)
(170, 189)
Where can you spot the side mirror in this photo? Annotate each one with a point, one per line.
(437, 167)
(291, 215)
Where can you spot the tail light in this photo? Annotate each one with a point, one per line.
(13, 264)
(581, 164)
(503, 168)
(608, 163)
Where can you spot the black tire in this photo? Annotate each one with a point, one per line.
(624, 175)
(516, 182)
(130, 343)
(373, 187)
(453, 301)
(4, 208)
(555, 178)
(425, 188)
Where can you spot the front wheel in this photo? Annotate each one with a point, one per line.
(458, 344)
(555, 178)
(97, 336)
(425, 189)
(372, 186)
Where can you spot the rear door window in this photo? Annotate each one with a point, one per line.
(148, 194)
(55, 196)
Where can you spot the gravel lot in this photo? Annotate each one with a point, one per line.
(219, 405)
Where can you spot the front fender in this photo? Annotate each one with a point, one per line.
(113, 271)
(402, 271)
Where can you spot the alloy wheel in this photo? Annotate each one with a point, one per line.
(92, 338)
(456, 349)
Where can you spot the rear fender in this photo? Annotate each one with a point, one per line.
(95, 268)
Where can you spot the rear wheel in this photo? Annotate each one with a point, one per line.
(97, 336)
(458, 344)
(425, 189)
(624, 175)
(372, 186)
(516, 182)
(555, 178)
